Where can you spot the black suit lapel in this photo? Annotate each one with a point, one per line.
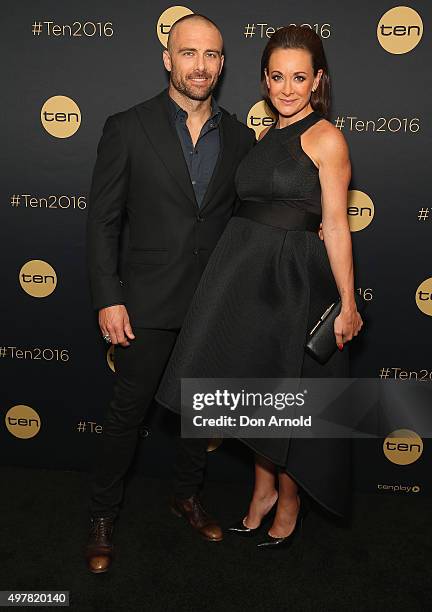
(226, 158)
(156, 122)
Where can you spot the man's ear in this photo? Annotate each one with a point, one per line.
(166, 58)
(222, 63)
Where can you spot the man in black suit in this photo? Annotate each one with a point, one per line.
(166, 169)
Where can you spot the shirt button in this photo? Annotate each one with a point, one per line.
(193, 182)
(195, 251)
(190, 152)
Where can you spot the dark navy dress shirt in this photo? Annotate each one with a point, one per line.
(201, 159)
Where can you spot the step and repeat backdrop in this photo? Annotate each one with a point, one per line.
(66, 67)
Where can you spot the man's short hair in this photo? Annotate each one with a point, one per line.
(188, 18)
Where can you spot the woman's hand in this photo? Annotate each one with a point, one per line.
(347, 324)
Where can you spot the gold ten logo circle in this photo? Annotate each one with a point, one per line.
(403, 446)
(423, 296)
(22, 421)
(61, 116)
(38, 278)
(110, 358)
(361, 210)
(260, 117)
(400, 30)
(213, 444)
(166, 20)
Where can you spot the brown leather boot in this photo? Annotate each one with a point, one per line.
(99, 549)
(192, 510)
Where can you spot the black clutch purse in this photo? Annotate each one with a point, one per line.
(321, 343)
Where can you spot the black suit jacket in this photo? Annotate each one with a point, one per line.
(141, 180)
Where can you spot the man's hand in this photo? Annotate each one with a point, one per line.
(114, 322)
(320, 232)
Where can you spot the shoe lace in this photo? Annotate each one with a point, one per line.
(199, 510)
(102, 527)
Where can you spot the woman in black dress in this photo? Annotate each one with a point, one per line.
(271, 277)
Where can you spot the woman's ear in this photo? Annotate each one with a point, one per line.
(317, 79)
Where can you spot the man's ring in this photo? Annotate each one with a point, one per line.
(107, 338)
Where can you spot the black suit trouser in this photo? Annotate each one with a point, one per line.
(139, 369)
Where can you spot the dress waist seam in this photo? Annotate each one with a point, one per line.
(283, 217)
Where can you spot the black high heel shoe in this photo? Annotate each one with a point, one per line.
(277, 543)
(239, 528)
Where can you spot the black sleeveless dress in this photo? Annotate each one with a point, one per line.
(266, 284)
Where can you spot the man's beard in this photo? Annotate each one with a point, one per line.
(183, 87)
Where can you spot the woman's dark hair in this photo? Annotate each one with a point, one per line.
(300, 37)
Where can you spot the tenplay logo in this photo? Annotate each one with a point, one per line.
(38, 278)
(399, 488)
(400, 30)
(61, 116)
(22, 421)
(424, 296)
(166, 20)
(260, 117)
(361, 210)
(403, 446)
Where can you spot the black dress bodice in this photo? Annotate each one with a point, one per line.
(278, 171)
